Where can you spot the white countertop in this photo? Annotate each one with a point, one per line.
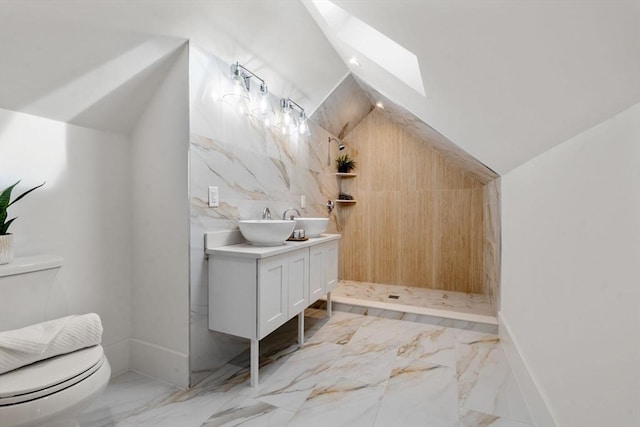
(250, 251)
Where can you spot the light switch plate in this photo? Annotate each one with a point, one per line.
(214, 202)
(303, 201)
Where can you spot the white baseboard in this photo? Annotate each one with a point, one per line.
(160, 363)
(528, 386)
(118, 355)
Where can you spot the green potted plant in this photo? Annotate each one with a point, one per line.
(345, 163)
(6, 239)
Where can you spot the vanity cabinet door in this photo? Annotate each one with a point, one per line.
(323, 269)
(331, 265)
(317, 284)
(298, 281)
(273, 282)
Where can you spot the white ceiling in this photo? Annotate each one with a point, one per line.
(50, 50)
(505, 80)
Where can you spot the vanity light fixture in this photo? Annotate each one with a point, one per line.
(303, 126)
(262, 106)
(288, 123)
(239, 93)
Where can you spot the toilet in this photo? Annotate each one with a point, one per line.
(51, 392)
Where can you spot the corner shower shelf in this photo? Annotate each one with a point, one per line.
(344, 175)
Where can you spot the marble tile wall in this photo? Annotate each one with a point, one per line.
(492, 243)
(344, 108)
(253, 167)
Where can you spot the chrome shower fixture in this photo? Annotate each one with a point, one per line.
(340, 147)
(340, 144)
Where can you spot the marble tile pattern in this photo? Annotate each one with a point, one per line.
(254, 167)
(353, 370)
(344, 108)
(492, 242)
(362, 293)
(423, 131)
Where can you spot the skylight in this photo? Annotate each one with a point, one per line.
(369, 42)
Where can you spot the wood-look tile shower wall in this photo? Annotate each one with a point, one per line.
(418, 220)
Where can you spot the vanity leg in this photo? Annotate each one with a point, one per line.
(301, 328)
(329, 304)
(255, 362)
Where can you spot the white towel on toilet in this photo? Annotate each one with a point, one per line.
(20, 347)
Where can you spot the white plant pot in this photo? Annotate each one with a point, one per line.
(6, 249)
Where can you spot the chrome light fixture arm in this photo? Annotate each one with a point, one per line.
(245, 74)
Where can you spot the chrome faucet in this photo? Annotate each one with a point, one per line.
(266, 213)
(284, 215)
(330, 206)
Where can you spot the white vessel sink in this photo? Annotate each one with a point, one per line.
(312, 226)
(266, 232)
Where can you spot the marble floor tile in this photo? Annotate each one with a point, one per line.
(338, 402)
(353, 370)
(486, 383)
(248, 412)
(429, 343)
(339, 329)
(419, 393)
(126, 395)
(407, 339)
(291, 383)
(478, 419)
(186, 413)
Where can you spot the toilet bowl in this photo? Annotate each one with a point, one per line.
(54, 391)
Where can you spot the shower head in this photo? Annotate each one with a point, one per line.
(341, 146)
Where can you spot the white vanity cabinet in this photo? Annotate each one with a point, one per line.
(254, 290)
(323, 260)
(283, 289)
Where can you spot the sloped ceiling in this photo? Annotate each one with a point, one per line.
(505, 80)
(48, 47)
(345, 107)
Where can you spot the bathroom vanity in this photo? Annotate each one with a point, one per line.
(253, 290)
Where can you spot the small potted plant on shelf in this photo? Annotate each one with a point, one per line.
(6, 239)
(345, 163)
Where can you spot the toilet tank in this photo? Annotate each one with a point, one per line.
(26, 286)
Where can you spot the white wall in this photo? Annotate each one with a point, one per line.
(571, 273)
(160, 232)
(82, 213)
